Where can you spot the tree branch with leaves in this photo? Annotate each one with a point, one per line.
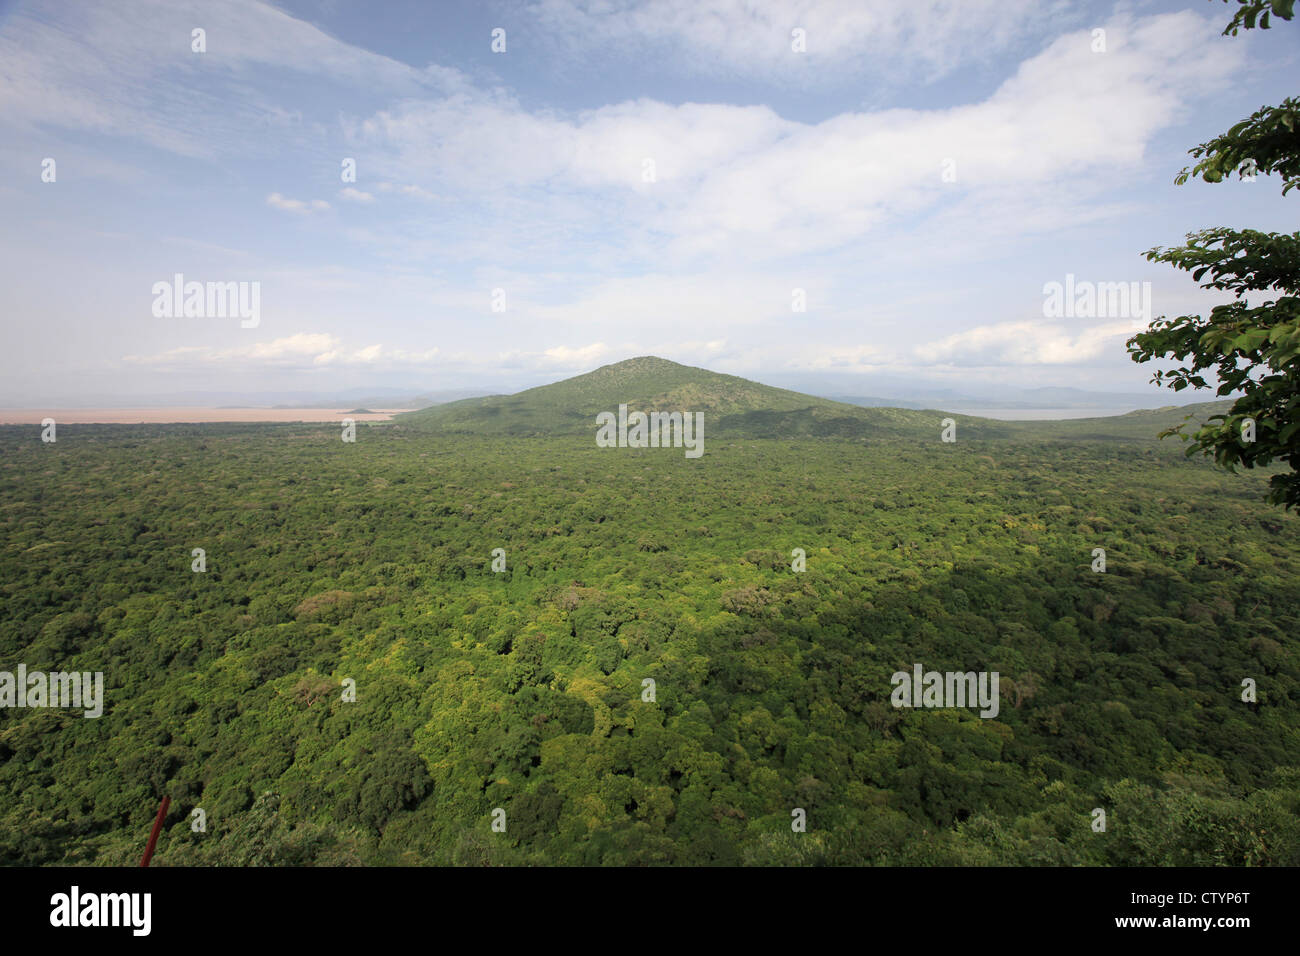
(1253, 349)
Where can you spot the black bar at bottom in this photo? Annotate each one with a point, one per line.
(217, 906)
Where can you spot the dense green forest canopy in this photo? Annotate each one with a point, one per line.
(372, 562)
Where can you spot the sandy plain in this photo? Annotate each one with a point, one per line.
(160, 416)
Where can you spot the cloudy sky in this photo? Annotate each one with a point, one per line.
(624, 178)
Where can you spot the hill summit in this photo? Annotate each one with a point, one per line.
(731, 405)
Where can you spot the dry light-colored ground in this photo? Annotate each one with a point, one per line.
(136, 416)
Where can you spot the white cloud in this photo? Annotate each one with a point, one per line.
(742, 182)
(1042, 342)
(276, 201)
(355, 195)
(843, 37)
(292, 346)
(413, 191)
(129, 69)
(567, 357)
(304, 350)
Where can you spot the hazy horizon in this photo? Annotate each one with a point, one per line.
(1008, 403)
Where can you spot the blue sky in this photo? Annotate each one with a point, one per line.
(525, 171)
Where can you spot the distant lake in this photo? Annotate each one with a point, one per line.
(1039, 414)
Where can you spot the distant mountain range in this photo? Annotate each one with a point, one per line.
(738, 407)
(1010, 398)
(903, 392)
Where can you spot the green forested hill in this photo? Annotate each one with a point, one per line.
(737, 407)
(731, 405)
